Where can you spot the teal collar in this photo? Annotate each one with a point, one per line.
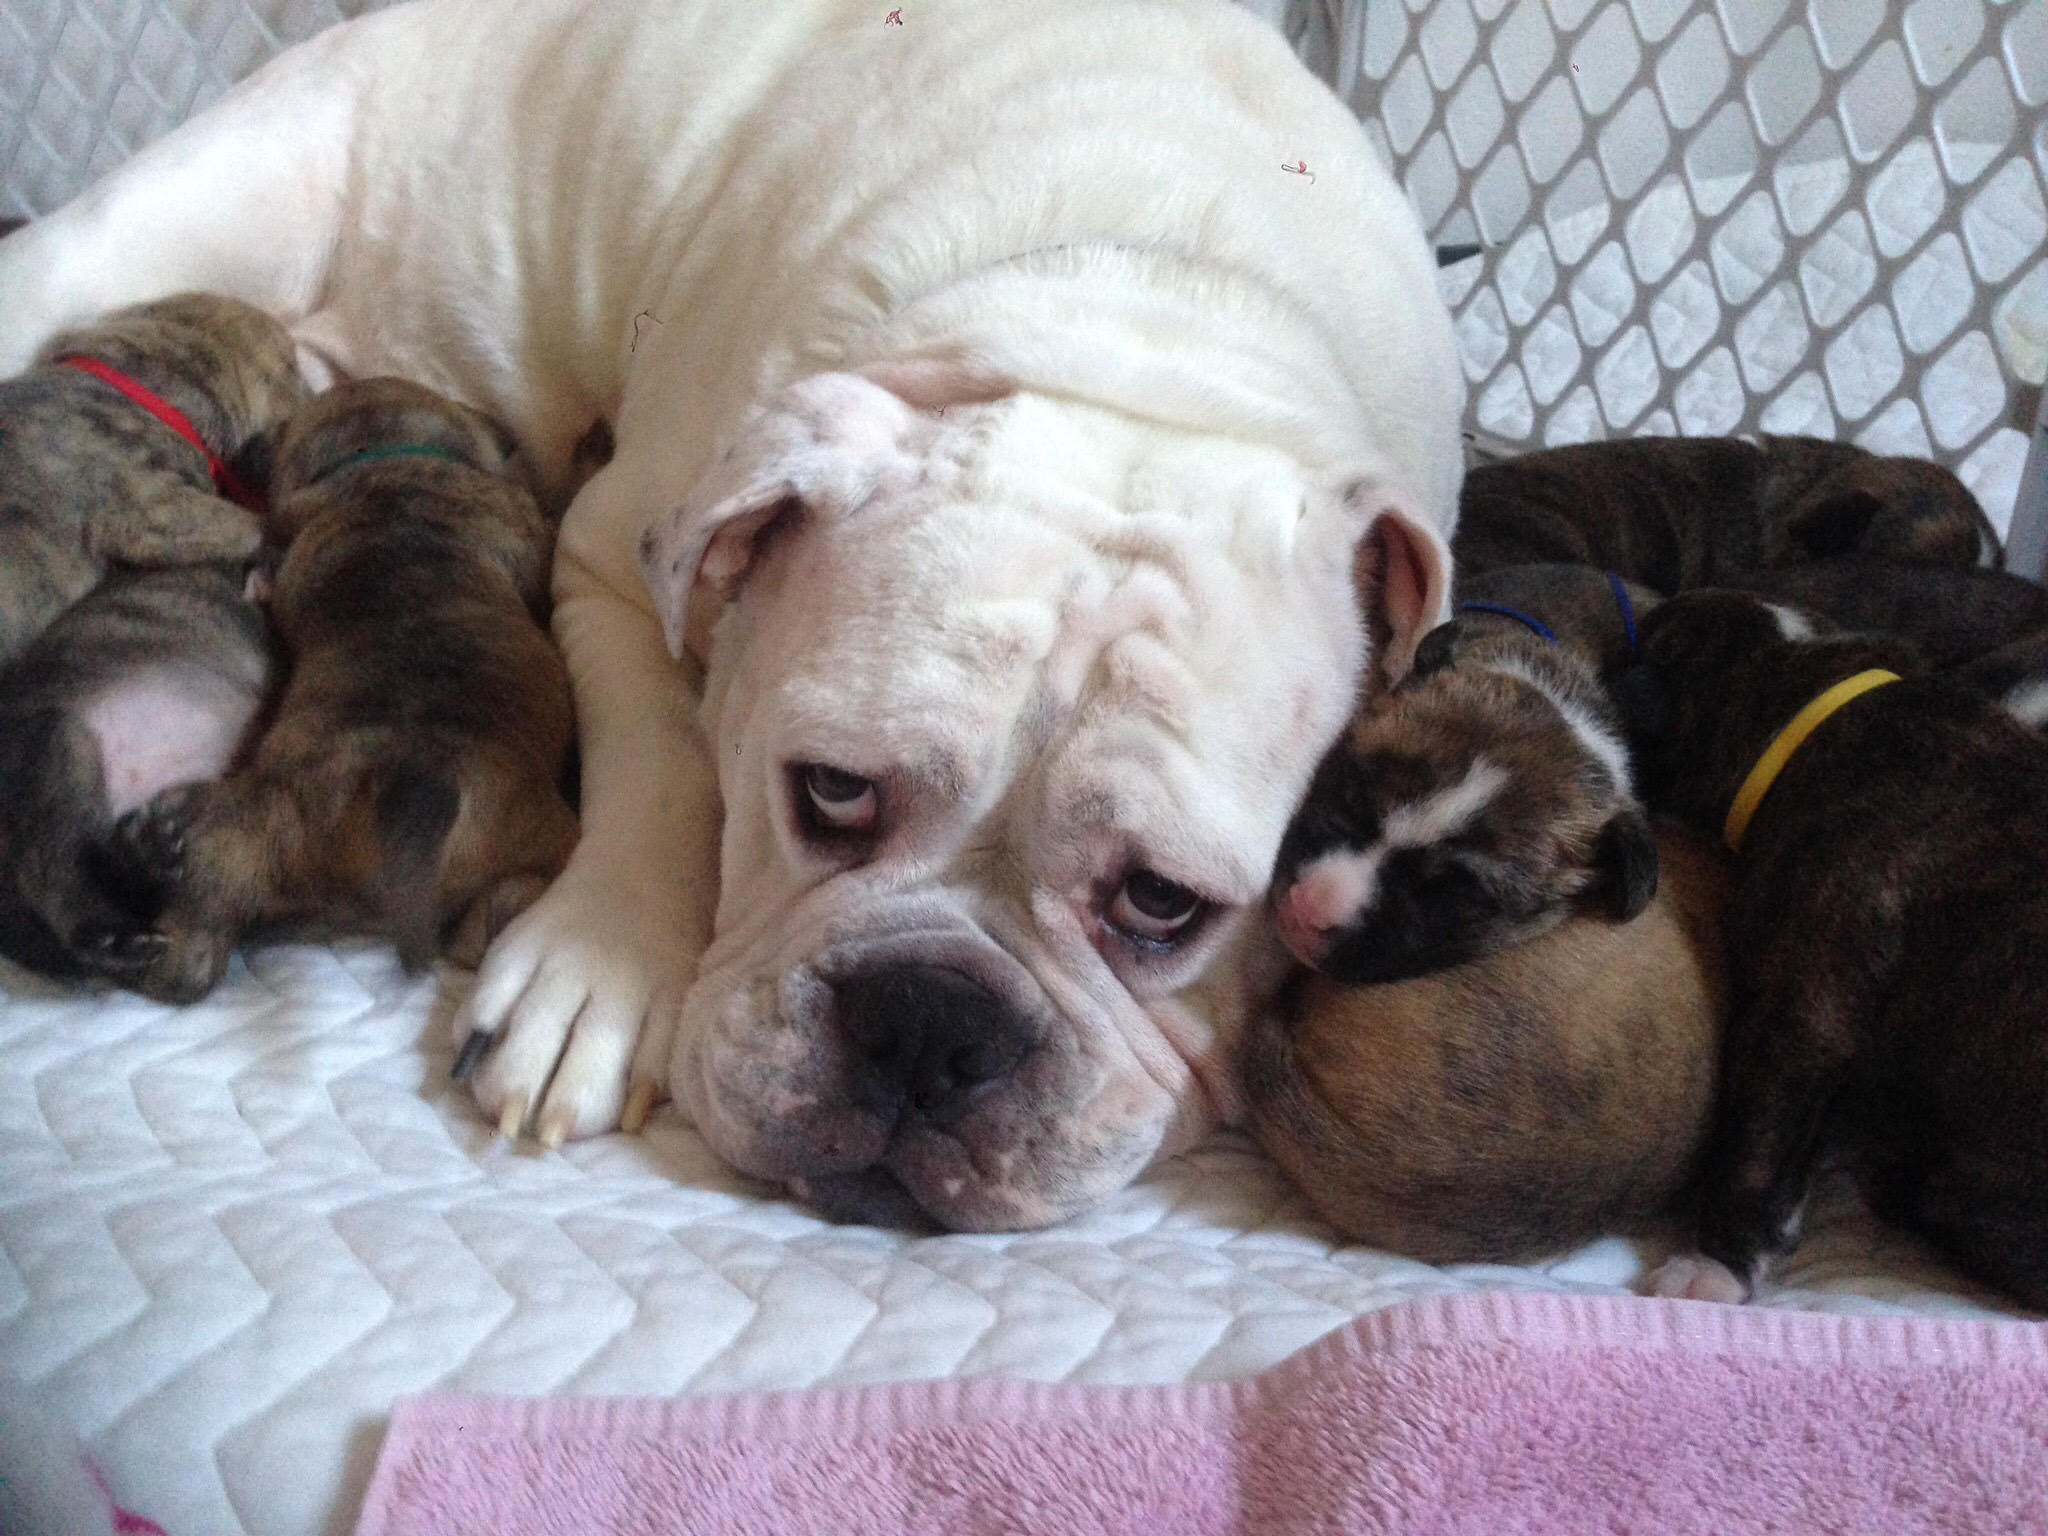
(389, 451)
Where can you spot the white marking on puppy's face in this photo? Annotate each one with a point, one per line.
(1335, 889)
(1033, 652)
(1447, 812)
(1792, 624)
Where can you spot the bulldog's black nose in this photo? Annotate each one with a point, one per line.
(926, 1039)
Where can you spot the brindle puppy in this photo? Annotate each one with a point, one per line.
(1951, 616)
(407, 785)
(1675, 513)
(1475, 805)
(149, 682)
(1595, 615)
(1515, 1105)
(90, 480)
(1888, 936)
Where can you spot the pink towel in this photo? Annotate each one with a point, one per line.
(1487, 1414)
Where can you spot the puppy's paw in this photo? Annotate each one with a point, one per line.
(563, 997)
(119, 953)
(150, 841)
(1695, 1277)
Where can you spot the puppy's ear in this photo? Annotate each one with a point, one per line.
(819, 447)
(1402, 569)
(1834, 520)
(1625, 859)
(1438, 649)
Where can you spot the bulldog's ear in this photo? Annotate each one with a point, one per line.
(1402, 569)
(1625, 864)
(936, 383)
(816, 449)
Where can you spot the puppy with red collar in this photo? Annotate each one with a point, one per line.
(1886, 937)
(115, 450)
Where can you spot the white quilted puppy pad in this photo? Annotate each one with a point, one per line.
(231, 1235)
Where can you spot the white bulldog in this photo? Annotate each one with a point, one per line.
(1006, 397)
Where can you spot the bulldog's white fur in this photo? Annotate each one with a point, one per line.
(1005, 425)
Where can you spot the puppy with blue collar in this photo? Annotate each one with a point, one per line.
(1481, 800)
(1886, 936)
(1593, 615)
(1505, 1036)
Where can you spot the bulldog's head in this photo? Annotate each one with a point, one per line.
(1012, 699)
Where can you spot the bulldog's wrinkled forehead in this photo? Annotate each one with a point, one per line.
(1085, 623)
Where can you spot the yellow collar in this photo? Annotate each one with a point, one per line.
(1788, 741)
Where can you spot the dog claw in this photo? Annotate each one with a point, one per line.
(638, 1103)
(472, 1052)
(126, 949)
(153, 838)
(554, 1130)
(513, 1119)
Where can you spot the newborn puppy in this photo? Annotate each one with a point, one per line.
(1888, 937)
(1675, 513)
(1592, 614)
(1476, 804)
(147, 683)
(1951, 616)
(1515, 1105)
(113, 451)
(407, 784)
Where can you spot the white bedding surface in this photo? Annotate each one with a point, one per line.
(231, 1235)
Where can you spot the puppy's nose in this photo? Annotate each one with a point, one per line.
(1292, 915)
(928, 1039)
(1326, 894)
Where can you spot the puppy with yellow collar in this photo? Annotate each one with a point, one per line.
(1886, 935)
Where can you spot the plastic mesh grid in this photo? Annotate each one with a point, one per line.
(1695, 215)
(1717, 216)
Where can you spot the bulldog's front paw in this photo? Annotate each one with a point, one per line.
(546, 1040)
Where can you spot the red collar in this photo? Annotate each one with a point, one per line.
(225, 480)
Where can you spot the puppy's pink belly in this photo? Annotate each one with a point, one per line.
(164, 728)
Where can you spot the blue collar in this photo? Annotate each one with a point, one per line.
(1523, 619)
(1628, 609)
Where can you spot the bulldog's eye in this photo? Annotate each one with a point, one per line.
(1154, 910)
(832, 802)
